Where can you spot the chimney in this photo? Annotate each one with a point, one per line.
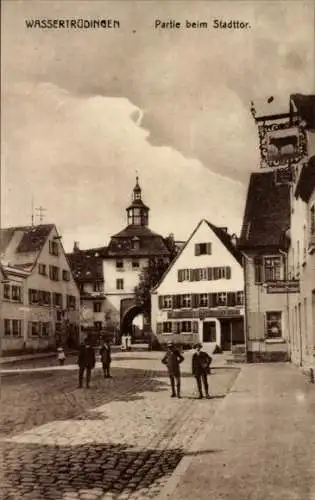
(76, 247)
(234, 239)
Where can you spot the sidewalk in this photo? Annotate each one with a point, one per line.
(260, 446)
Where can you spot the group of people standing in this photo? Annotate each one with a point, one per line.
(201, 362)
(86, 360)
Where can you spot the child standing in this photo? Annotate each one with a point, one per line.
(61, 356)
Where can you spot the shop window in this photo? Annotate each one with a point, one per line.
(273, 324)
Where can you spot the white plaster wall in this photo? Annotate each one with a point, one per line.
(188, 260)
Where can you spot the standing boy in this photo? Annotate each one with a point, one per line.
(172, 360)
(201, 362)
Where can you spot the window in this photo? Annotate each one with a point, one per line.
(186, 300)
(239, 298)
(203, 300)
(53, 247)
(57, 299)
(203, 274)
(71, 302)
(54, 273)
(65, 275)
(16, 293)
(6, 291)
(273, 324)
(166, 302)
(186, 326)
(119, 264)
(16, 327)
(272, 268)
(33, 297)
(34, 329)
(203, 249)
(119, 284)
(135, 264)
(42, 269)
(98, 286)
(183, 275)
(222, 299)
(98, 325)
(7, 327)
(167, 327)
(45, 329)
(97, 307)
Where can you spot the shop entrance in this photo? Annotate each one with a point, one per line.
(209, 332)
(232, 333)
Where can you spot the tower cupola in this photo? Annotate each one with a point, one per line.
(137, 212)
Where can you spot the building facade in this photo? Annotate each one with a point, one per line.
(107, 276)
(274, 241)
(200, 297)
(301, 254)
(41, 294)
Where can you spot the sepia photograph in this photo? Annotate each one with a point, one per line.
(157, 250)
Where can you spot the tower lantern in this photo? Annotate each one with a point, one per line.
(137, 212)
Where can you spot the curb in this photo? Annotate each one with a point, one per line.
(181, 469)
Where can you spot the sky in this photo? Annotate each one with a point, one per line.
(85, 111)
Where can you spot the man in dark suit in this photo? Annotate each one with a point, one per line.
(172, 360)
(201, 368)
(106, 358)
(86, 361)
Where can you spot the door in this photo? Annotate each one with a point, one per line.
(226, 334)
(209, 332)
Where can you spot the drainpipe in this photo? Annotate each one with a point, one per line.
(245, 258)
(285, 255)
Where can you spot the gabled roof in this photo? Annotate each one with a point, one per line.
(21, 245)
(305, 105)
(306, 183)
(222, 235)
(267, 212)
(149, 243)
(86, 265)
(32, 237)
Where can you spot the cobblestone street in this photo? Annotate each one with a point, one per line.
(121, 439)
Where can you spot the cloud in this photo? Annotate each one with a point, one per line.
(83, 111)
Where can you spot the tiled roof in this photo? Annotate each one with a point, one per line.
(149, 243)
(306, 182)
(305, 105)
(226, 240)
(267, 212)
(86, 265)
(32, 240)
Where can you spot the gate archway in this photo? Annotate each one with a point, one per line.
(130, 309)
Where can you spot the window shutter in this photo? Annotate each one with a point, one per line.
(215, 300)
(228, 273)
(195, 300)
(258, 269)
(180, 275)
(195, 326)
(231, 299)
(209, 273)
(161, 301)
(208, 248)
(210, 299)
(215, 273)
(197, 249)
(159, 328)
(29, 328)
(191, 273)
